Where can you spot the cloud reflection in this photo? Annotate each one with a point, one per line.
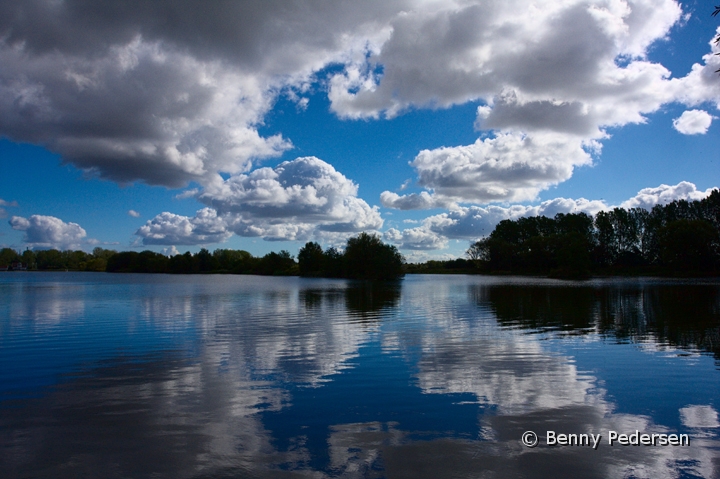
(253, 354)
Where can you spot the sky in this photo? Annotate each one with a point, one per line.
(261, 125)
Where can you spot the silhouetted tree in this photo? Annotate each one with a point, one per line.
(311, 259)
(333, 263)
(236, 261)
(277, 264)
(688, 245)
(367, 257)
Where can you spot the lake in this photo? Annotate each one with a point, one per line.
(219, 376)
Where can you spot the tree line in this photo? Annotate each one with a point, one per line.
(365, 257)
(682, 237)
(219, 261)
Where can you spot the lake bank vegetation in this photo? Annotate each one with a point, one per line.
(365, 257)
(681, 238)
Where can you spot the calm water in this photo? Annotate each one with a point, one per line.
(149, 376)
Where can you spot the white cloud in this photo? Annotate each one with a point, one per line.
(140, 111)
(548, 75)
(170, 251)
(295, 200)
(205, 227)
(133, 213)
(3, 203)
(509, 167)
(49, 232)
(551, 53)
(415, 239)
(413, 201)
(664, 194)
(701, 85)
(120, 94)
(693, 122)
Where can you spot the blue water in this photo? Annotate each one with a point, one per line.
(156, 376)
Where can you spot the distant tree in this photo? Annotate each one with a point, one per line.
(689, 246)
(572, 256)
(367, 257)
(478, 251)
(8, 256)
(75, 260)
(99, 252)
(29, 258)
(50, 259)
(206, 261)
(311, 259)
(333, 263)
(122, 262)
(181, 263)
(277, 264)
(235, 261)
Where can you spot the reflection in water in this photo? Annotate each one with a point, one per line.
(368, 299)
(683, 315)
(285, 377)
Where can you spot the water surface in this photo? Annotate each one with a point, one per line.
(154, 376)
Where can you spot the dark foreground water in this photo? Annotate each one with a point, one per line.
(145, 376)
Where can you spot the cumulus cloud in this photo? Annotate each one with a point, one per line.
(296, 200)
(557, 57)
(153, 91)
(509, 167)
(156, 92)
(547, 73)
(291, 201)
(413, 201)
(415, 239)
(170, 251)
(700, 85)
(664, 194)
(133, 213)
(49, 232)
(205, 227)
(693, 122)
(3, 203)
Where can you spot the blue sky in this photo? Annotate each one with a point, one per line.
(263, 125)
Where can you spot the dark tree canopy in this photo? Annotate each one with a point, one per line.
(365, 257)
(681, 237)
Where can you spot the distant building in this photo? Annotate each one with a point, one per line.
(3, 267)
(17, 267)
